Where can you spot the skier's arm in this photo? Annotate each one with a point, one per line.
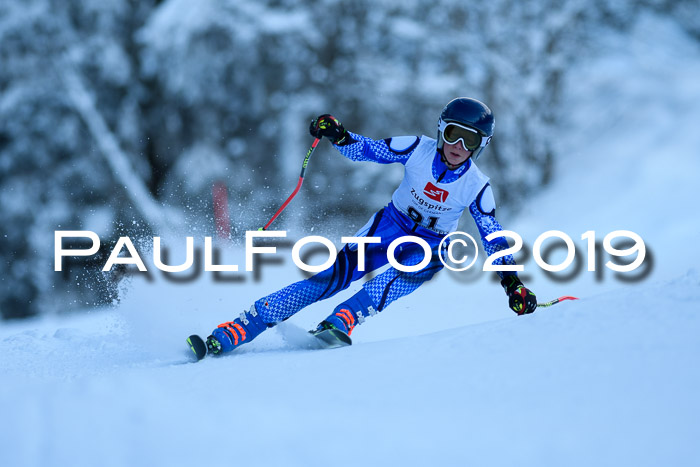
(383, 151)
(483, 210)
(520, 299)
(360, 148)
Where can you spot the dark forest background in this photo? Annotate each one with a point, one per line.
(118, 116)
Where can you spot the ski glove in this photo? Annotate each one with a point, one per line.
(329, 126)
(520, 299)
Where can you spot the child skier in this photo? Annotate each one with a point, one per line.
(441, 180)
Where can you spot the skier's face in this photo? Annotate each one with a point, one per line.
(455, 154)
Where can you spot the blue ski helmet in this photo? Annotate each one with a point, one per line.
(472, 114)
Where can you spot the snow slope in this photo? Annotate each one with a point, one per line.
(607, 381)
(447, 377)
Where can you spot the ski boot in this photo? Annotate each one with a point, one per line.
(336, 329)
(350, 313)
(342, 319)
(230, 335)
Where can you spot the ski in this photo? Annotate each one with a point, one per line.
(326, 338)
(198, 346)
(332, 338)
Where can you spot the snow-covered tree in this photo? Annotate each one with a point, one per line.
(119, 116)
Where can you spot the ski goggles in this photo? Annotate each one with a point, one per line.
(470, 138)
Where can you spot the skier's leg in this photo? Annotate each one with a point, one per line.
(284, 303)
(350, 313)
(378, 293)
(280, 305)
(394, 284)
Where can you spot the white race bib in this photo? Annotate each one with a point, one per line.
(436, 206)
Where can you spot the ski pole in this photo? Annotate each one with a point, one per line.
(555, 301)
(296, 190)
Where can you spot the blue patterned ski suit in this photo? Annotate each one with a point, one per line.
(389, 223)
